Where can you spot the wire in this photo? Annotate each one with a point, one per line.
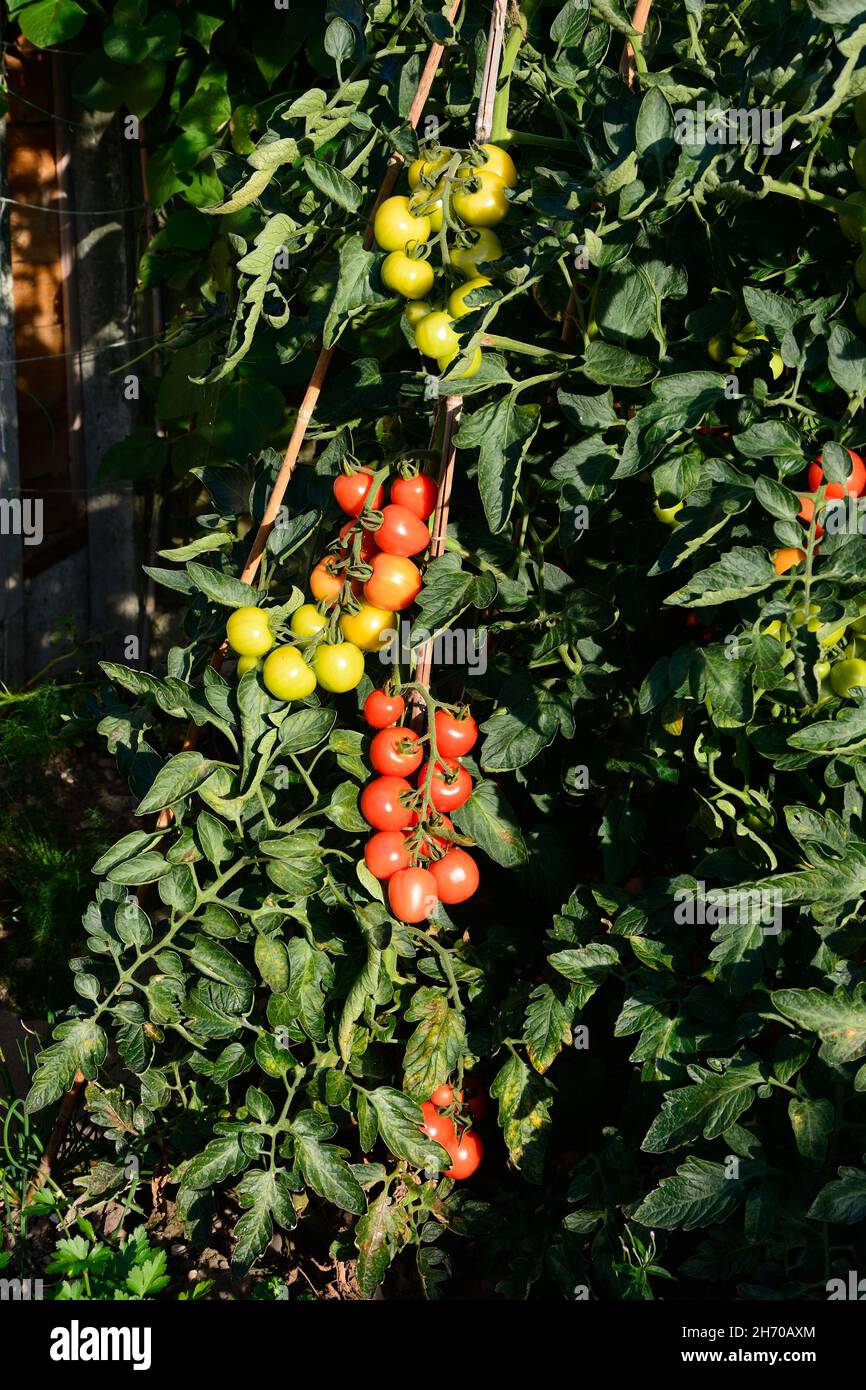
(80, 352)
(73, 212)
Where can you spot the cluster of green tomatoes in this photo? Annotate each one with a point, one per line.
(455, 200)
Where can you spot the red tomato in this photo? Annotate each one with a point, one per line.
(402, 532)
(380, 709)
(381, 805)
(368, 546)
(451, 784)
(455, 734)
(854, 483)
(442, 1097)
(350, 490)
(807, 511)
(416, 494)
(394, 583)
(412, 894)
(466, 1155)
(385, 853)
(439, 1127)
(456, 875)
(397, 751)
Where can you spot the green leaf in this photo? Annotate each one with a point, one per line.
(701, 1194)
(526, 721)
(177, 778)
(738, 574)
(333, 184)
(80, 1045)
(378, 1237)
(329, 1175)
(51, 22)
(488, 819)
(221, 588)
(547, 1029)
(846, 360)
(812, 1123)
(306, 729)
(356, 290)
(502, 432)
(842, 1202)
(524, 1100)
(707, 1108)
(839, 1019)
(220, 1160)
(256, 268)
(399, 1120)
(310, 976)
(608, 365)
(435, 1046)
(213, 960)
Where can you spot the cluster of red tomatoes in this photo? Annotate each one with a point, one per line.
(358, 586)
(456, 199)
(791, 555)
(413, 849)
(464, 1146)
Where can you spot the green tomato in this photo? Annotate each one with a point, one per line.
(848, 675)
(860, 113)
(860, 270)
(339, 666)
(860, 309)
(859, 162)
(287, 676)
(435, 336)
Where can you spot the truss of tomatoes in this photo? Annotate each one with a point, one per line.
(444, 1116)
(456, 198)
(413, 850)
(365, 578)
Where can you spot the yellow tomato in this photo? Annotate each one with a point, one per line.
(395, 225)
(474, 362)
(339, 666)
(485, 248)
(248, 663)
(369, 628)
(500, 163)
(416, 310)
(428, 168)
(248, 632)
(307, 621)
(482, 202)
(457, 306)
(287, 675)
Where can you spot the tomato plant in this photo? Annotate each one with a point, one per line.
(639, 922)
